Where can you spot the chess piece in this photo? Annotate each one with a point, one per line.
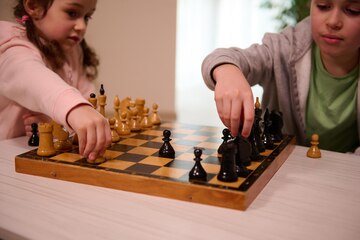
(114, 135)
(145, 122)
(197, 172)
(255, 154)
(266, 138)
(116, 111)
(134, 121)
(140, 104)
(257, 127)
(166, 150)
(62, 141)
(93, 100)
(34, 139)
(155, 118)
(46, 144)
(227, 171)
(242, 156)
(276, 126)
(314, 151)
(226, 136)
(123, 128)
(102, 100)
(125, 107)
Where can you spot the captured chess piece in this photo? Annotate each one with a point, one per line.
(34, 139)
(197, 172)
(166, 150)
(314, 151)
(46, 144)
(227, 171)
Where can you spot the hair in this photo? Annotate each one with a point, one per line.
(51, 50)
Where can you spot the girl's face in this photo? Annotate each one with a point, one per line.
(66, 21)
(336, 27)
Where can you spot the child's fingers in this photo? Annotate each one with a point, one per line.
(248, 117)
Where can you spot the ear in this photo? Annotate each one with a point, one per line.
(33, 9)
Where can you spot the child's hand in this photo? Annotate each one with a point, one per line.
(33, 117)
(93, 131)
(234, 99)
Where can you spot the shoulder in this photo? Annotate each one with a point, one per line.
(296, 40)
(10, 31)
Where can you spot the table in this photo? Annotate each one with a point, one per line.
(306, 199)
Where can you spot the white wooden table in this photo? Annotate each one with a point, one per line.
(306, 199)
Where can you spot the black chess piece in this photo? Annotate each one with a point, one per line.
(226, 136)
(242, 156)
(34, 139)
(266, 138)
(276, 126)
(227, 171)
(198, 172)
(102, 90)
(166, 150)
(258, 131)
(255, 154)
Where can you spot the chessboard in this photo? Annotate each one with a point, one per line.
(133, 164)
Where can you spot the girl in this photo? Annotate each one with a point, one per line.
(309, 72)
(45, 68)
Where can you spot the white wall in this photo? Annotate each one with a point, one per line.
(135, 40)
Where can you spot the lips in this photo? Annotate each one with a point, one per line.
(75, 38)
(331, 39)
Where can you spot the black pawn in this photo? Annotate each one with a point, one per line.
(166, 149)
(228, 166)
(226, 136)
(198, 172)
(34, 139)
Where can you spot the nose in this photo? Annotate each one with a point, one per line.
(335, 21)
(80, 25)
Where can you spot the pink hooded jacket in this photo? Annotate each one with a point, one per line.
(28, 85)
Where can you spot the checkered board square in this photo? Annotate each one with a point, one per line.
(133, 164)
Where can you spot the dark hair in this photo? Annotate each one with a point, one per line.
(51, 50)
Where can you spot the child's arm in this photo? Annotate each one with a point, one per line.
(234, 99)
(92, 128)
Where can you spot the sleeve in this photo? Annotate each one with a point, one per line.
(26, 80)
(256, 62)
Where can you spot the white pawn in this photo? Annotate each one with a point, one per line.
(123, 128)
(145, 122)
(155, 119)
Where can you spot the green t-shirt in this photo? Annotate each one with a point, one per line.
(331, 108)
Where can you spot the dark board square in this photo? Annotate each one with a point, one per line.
(180, 164)
(156, 145)
(142, 168)
(121, 148)
(211, 159)
(144, 137)
(131, 157)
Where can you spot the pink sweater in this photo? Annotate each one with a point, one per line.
(28, 85)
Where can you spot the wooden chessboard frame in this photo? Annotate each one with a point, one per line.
(198, 192)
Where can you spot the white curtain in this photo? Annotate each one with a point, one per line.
(202, 26)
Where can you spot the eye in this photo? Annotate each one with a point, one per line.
(352, 11)
(72, 14)
(323, 6)
(87, 18)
